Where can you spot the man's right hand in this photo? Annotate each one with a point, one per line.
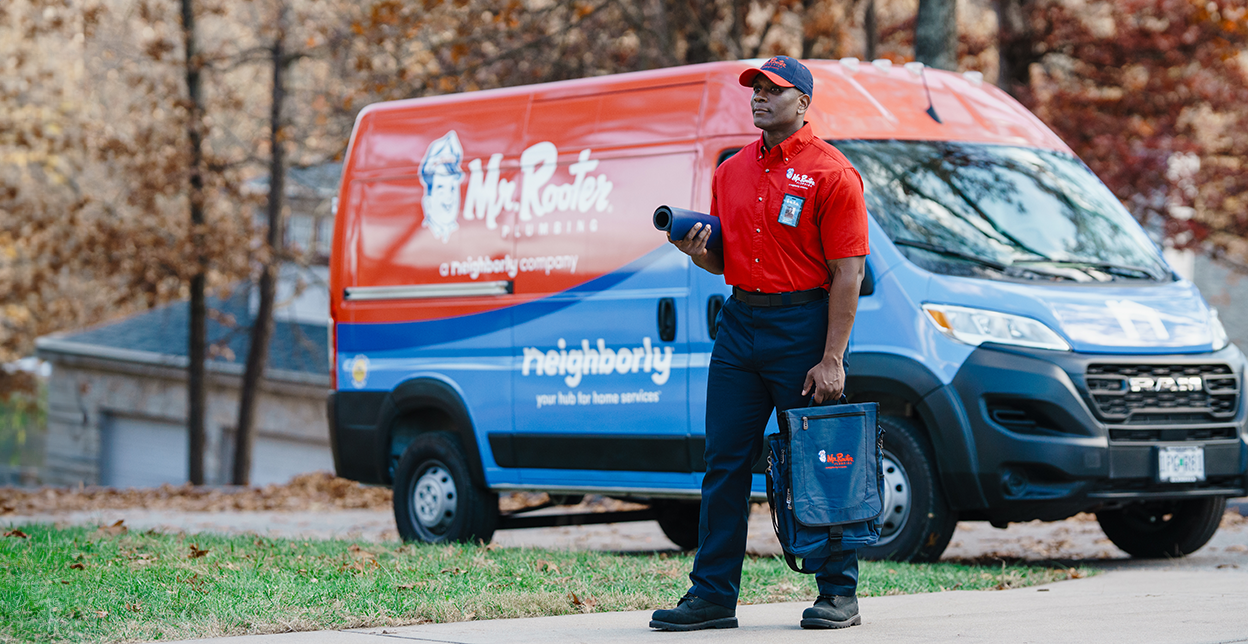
(694, 245)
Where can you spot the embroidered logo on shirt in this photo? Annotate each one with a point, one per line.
(803, 180)
(790, 210)
(789, 174)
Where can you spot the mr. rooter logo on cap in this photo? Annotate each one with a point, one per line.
(774, 63)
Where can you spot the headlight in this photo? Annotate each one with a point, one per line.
(1220, 339)
(976, 326)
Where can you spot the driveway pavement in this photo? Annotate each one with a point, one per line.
(1117, 607)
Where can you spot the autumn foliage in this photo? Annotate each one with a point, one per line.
(1152, 94)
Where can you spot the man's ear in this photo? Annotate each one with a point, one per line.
(803, 103)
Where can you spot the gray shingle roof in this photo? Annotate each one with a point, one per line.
(294, 347)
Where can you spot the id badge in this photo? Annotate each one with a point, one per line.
(791, 210)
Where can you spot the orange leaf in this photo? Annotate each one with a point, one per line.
(17, 533)
(196, 553)
(77, 566)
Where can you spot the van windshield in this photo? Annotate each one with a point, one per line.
(998, 211)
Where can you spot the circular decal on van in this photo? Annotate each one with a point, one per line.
(359, 371)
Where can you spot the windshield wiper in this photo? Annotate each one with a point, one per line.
(1008, 269)
(941, 250)
(1122, 270)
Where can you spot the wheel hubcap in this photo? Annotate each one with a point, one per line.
(435, 499)
(896, 499)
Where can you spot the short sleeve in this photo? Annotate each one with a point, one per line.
(843, 220)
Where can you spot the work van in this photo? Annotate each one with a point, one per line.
(506, 318)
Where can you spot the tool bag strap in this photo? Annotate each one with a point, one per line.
(810, 565)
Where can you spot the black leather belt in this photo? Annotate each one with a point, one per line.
(778, 299)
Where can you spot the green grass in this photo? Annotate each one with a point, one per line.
(80, 585)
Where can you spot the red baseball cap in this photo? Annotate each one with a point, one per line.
(783, 71)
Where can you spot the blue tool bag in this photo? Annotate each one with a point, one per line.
(825, 482)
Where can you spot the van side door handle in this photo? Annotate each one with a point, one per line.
(713, 306)
(667, 319)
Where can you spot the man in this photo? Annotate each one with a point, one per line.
(794, 230)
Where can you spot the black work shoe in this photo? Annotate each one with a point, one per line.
(693, 614)
(832, 611)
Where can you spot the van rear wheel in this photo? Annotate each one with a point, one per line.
(435, 498)
(916, 523)
(1163, 528)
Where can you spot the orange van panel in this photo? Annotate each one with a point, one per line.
(544, 188)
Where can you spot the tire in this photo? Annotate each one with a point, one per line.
(679, 521)
(916, 524)
(436, 499)
(1155, 529)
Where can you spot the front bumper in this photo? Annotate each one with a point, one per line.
(1044, 449)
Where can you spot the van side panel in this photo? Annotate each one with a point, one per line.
(602, 380)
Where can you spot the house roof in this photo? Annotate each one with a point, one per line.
(298, 351)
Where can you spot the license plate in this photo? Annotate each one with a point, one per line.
(1180, 464)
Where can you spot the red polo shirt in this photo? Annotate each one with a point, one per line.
(783, 212)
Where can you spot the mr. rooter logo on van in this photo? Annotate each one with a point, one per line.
(529, 195)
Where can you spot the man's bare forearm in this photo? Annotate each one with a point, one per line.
(847, 276)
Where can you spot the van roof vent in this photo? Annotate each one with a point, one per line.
(850, 63)
(882, 64)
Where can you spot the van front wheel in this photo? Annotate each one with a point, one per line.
(1163, 528)
(916, 523)
(435, 498)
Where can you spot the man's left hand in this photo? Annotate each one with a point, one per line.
(826, 379)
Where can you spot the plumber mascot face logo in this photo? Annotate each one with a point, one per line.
(441, 176)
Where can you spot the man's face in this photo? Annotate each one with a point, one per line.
(775, 107)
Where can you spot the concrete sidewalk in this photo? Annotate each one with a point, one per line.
(1118, 607)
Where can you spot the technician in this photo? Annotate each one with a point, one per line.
(794, 229)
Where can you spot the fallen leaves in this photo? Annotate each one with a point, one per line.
(113, 530)
(313, 491)
(16, 533)
(196, 553)
(412, 586)
(541, 565)
(77, 566)
(586, 603)
(360, 560)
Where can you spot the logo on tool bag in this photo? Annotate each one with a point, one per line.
(837, 461)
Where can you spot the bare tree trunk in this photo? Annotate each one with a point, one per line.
(740, 9)
(262, 324)
(936, 34)
(872, 30)
(697, 18)
(196, 375)
(1015, 49)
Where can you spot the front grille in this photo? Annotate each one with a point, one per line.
(1163, 394)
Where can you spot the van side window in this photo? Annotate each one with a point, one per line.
(725, 155)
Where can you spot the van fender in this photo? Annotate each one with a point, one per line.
(424, 405)
(937, 405)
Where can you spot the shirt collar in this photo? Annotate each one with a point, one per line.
(790, 146)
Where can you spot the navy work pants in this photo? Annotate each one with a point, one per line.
(759, 365)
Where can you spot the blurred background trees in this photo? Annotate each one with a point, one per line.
(95, 122)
